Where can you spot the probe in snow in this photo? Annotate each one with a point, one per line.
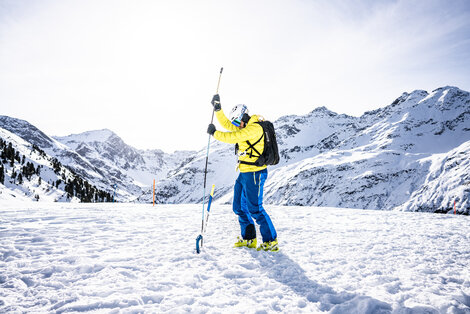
(199, 239)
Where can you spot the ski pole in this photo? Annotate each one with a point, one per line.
(208, 144)
(199, 239)
(211, 196)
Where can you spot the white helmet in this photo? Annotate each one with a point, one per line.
(236, 115)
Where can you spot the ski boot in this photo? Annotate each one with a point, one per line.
(248, 243)
(271, 246)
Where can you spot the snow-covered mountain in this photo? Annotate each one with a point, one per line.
(67, 156)
(396, 158)
(101, 157)
(28, 173)
(411, 155)
(295, 134)
(131, 169)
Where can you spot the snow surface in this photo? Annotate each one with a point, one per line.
(62, 257)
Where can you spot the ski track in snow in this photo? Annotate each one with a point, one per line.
(138, 258)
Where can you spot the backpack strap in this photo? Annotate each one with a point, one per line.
(252, 146)
(247, 163)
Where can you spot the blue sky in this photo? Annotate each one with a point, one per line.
(147, 69)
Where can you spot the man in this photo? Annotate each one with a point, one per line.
(248, 189)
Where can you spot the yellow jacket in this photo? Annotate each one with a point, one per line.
(251, 132)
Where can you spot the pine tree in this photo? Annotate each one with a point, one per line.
(20, 178)
(29, 170)
(2, 174)
(10, 154)
(10, 151)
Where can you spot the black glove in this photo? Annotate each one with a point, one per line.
(216, 102)
(211, 129)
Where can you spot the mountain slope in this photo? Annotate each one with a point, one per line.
(410, 155)
(102, 157)
(32, 135)
(380, 160)
(29, 173)
(387, 159)
(298, 138)
(131, 169)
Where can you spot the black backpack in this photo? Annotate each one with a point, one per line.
(270, 154)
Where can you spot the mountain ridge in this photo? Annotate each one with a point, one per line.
(380, 160)
(374, 161)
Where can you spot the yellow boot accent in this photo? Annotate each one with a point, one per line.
(248, 243)
(271, 246)
(240, 242)
(251, 243)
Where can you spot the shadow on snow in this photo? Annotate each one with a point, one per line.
(283, 269)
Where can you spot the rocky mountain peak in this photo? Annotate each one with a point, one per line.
(89, 137)
(385, 159)
(322, 111)
(26, 130)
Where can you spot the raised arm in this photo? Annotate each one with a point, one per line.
(224, 121)
(250, 132)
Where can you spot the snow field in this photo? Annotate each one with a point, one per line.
(138, 258)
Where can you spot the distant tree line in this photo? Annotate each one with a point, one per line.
(8, 153)
(79, 187)
(75, 186)
(85, 191)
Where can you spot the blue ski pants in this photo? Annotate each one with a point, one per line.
(248, 204)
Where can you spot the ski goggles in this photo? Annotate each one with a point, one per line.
(237, 122)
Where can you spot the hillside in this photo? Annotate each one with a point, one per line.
(131, 169)
(411, 155)
(100, 157)
(28, 173)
